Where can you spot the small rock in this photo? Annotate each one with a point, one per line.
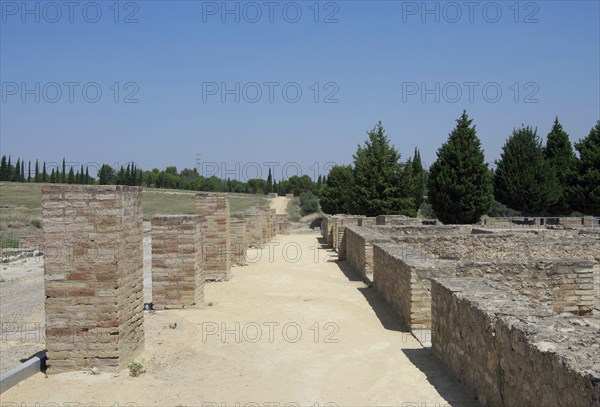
(95, 370)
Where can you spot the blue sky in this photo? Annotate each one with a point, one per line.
(185, 63)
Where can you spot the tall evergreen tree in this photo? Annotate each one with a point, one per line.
(3, 169)
(269, 182)
(337, 196)
(22, 171)
(586, 190)
(10, 170)
(524, 180)
(381, 187)
(17, 176)
(64, 172)
(562, 160)
(37, 172)
(44, 173)
(459, 185)
(87, 175)
(52, 176)
(29, 172)
(418, 179)
(71, 179)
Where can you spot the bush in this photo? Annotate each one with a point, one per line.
(136, 369)
(309, 203)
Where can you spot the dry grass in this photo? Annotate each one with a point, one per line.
(21, 207)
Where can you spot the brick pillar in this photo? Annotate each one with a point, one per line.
(93, 272)
(177, 277)
(214, 209)
(253, 229)
(237, 229)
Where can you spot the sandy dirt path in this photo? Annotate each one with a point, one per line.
(279, 204)
(292, 327)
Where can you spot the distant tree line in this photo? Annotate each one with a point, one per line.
(131, 174)
(529, 179)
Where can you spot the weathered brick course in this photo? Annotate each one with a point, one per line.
(214, 209)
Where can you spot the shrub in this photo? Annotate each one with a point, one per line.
(309, 203)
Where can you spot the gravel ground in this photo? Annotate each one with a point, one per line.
(21, 311)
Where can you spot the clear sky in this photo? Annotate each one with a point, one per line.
(221, 79)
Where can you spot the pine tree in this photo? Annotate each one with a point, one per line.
(587, 182)
(524, 180)
(459, 185)
(381, 187)
(71, 179)
(337, 196)
(44, 173)
(37, 172)
(562, 160)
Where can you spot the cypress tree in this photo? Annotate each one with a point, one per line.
(71, 179)
(418, 179)
(22, 171)
(3, 169)
(381, 187)
(459, 185)
(269, 182)
(37, 172)
(87, 175)
(17, 176)
(52, 176)
(586, 190)
(64, 172)
(44, 173)
(524, 180)
(562, 160)
(10, 171)
(29, 172)
(82, 176)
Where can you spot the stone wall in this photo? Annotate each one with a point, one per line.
(537, 222)
(214, 209)
(93, 276)
(359, 249)
(340, 229)
(254, 228)
(402, 276)
(565, 284)
(367, 222)
(177, 257)
(504, 246)
(283, 225)
(237, 235)
(510, 351)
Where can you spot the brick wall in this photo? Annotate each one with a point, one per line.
(359, 249)
(510, 351)
(402, 275)
(254, 228)
(177, 257)
(340, 227)
(237, 229)
(214, 209)
(283, 225)
(93, 273)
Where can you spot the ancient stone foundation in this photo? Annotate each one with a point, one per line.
(283, 225)
(359, 248)
(214, 209)
(510, 351)
(177, 278)
(237, 229)
(254, 228)
(93, 276)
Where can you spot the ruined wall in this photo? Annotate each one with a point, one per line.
(237, 236)
(254, 228)
(537, 222)
(504, 246)
(325, 228)
(565, 284)
(340, 227)
(424, 230)
(367, 222)
(214, 209)
(283, 225)
(177, 257)
(402, 276)
(359, 249)
(93, 276)
(510, 351)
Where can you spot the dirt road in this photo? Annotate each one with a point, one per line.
(279, 204)
(292, 327)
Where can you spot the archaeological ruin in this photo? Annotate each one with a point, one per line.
(510, 308)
